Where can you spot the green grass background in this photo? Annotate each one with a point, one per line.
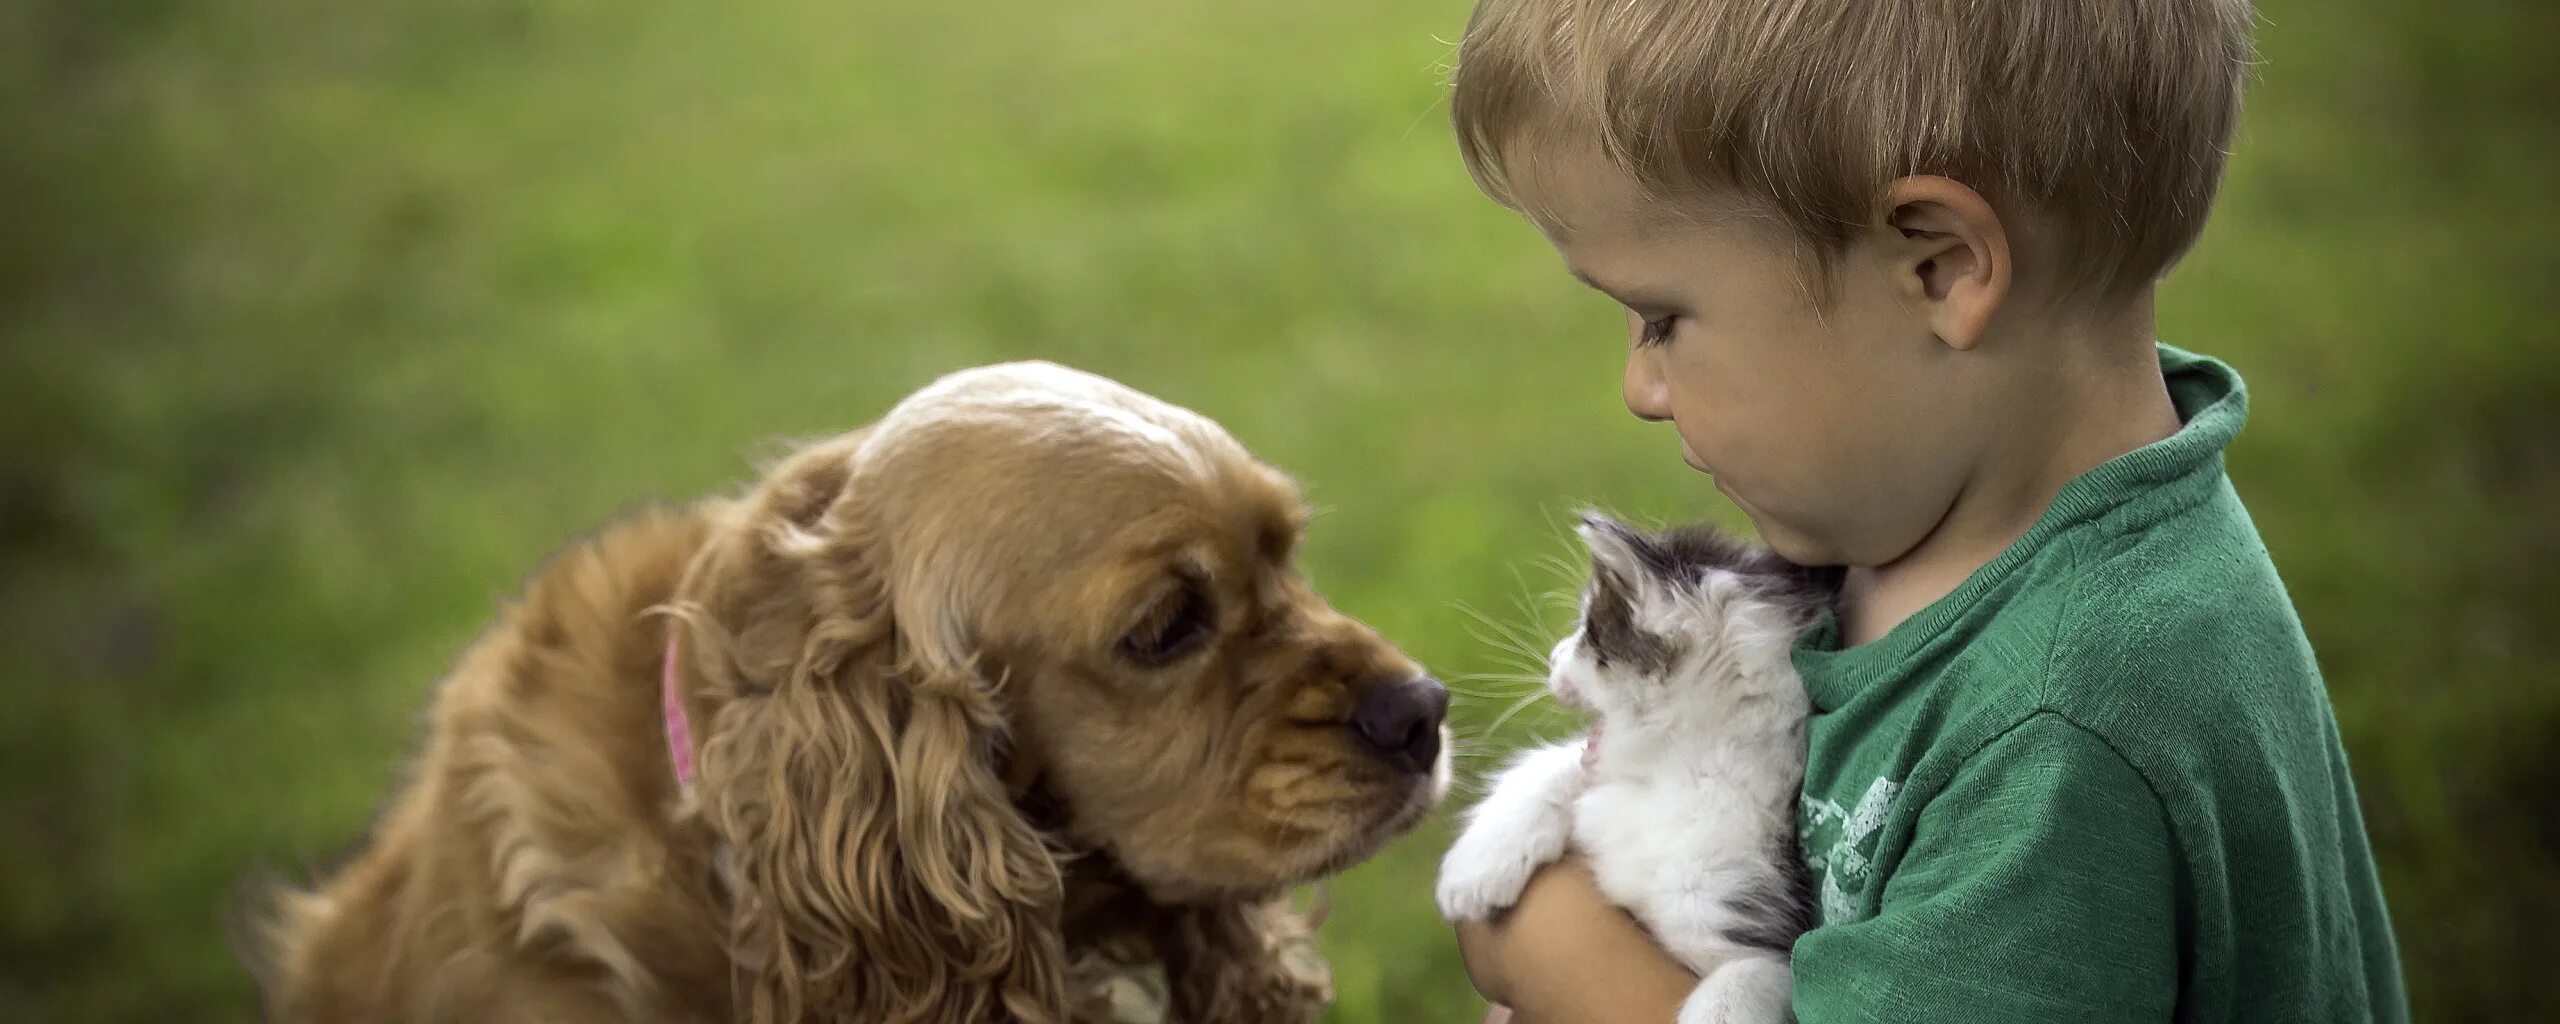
(321, 322)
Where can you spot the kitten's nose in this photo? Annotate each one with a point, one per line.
(1402, 721)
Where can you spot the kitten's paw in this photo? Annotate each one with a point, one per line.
(1754, 990)
(1521, 826)
(1483, 875)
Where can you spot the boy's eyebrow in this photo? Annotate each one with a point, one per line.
(1624, 297)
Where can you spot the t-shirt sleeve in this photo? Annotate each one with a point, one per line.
(2039, 885)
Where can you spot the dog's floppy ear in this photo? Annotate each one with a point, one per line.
(880, 869)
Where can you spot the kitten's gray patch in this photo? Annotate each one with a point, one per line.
(1611, 631)
(1684, 555)
(1779, 906)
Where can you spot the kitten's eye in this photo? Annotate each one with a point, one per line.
(1657, 332)
(1174, 627)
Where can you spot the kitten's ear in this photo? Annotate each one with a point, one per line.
(1701, 548)
(1620, 569)
(1616, 548)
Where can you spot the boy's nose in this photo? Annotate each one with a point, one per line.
(1646, 397)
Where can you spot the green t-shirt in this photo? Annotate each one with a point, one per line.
(2100, 781)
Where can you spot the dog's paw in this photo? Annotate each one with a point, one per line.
(1482, 877)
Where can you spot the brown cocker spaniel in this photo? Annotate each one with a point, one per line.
(1019, 677)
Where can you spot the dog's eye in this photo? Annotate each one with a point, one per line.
(1175, 627)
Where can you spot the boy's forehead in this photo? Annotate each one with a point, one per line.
(1576, 195)
(1571, 191)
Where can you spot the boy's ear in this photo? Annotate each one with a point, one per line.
(1952, 259)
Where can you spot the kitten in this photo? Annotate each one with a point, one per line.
(1683, 797)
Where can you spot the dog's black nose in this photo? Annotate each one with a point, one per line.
(1402, 721)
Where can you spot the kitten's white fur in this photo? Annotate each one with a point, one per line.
(1690, 801)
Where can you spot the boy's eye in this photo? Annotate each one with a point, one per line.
(1657, 332)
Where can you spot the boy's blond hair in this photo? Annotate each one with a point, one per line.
(2105, 119)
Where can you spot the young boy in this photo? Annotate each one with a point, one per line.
(1888, 268)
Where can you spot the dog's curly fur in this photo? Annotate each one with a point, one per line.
(1015, 676)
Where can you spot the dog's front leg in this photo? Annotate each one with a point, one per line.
(1247, 963)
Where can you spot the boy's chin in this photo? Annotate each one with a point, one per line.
(1768, 529)
(1789, 543)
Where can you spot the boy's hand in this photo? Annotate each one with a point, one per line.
(1567, 953)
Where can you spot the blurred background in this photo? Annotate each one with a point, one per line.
(321, 323)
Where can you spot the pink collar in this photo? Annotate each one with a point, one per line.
(679, 728)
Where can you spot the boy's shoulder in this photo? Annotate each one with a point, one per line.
(2177, 643)
(2146, 592)
(2143, 610)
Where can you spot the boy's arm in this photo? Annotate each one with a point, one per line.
(1564, 953)
(2040, 885)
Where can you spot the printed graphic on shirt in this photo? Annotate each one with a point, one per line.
(1840, 846)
